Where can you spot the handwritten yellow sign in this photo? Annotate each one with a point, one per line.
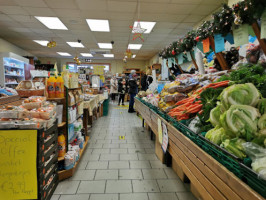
(18, 173)
(160, 131)
(121, 137)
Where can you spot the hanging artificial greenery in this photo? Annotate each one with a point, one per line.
(223, 20)
(244, 12)
(248, 11)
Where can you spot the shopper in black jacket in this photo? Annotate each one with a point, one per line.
(133, 90)
(122, 89)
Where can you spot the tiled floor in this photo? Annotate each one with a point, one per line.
(113, 169)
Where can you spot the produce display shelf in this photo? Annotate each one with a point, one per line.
(64, 174)
(14, 75)
(214, 173)
(55, 99)
(14, 67)
(61, 158)
(14, 83)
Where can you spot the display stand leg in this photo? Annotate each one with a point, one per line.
(219, 56)
(179, 67)
(143, 121)
(194, 61)
(168, 159)
(262, 42)
(152, 135)
(85, 121)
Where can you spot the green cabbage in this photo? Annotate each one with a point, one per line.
(240, 121)
(235, 147)
(262, 122)
(216, 135)
(241, 94)
(259, 164)
(215, 116)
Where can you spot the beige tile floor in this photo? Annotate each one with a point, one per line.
(113, 169)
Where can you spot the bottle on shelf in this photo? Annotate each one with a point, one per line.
(61, 145)
(51, 85)
(59, 87)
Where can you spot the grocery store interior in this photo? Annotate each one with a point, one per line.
(133, 99)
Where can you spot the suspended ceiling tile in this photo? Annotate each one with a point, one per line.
(94, 14)
(78, 27)
(21, 30)
(203, 9)
(193, 19)
(33, 25)
(4, 17)
(162, 17)
(163, 25)
(124, 23)
(7, 24)
(31, 3)
(98, 5)
(23, 18)
(121, 15)
(70, 4)
(119, 5)
(194, 2)
(41, 30)
(75, 13)
(211, 2)
(44, 12)
(7, 3)
(13, 10)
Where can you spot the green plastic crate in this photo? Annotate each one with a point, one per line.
(105, 107)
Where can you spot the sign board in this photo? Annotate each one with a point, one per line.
(165, 137)
(99, 70)
(18, 170)
(87, 60)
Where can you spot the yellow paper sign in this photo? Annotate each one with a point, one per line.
(160, 131)
(121, 137)
(18, 170)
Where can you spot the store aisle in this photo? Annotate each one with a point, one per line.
(113, 169)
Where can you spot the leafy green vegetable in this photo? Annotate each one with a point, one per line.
(262, 106)
(259, 164)
(240, 94)
(216, 135)
(262, 122)
(241, 121)
(235, 147)
(215, 116)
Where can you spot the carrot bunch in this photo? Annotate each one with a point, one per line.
(192, 105)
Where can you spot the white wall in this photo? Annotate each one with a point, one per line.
(117, 66)
(8, 47)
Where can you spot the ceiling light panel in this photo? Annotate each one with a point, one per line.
(52, 23)
(75, 44)
(98, 25)
(134, 46)
(108, 55)
(146, 25)
(86, 54)
(105, 45)
(63, 53)
(42, 42)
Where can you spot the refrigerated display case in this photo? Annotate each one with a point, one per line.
(12, 69)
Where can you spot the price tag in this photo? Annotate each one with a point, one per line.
(160, 131)
(165, 137)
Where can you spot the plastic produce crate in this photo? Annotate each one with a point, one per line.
(105, 107)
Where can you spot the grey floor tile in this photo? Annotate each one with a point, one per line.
(67, 187)
(97, 165)
(185, 196)
(118, 186)
(109, 157)
(118, 164)
(160, 196)
(82, 164)
(83, 175)
(148, 156)
(134, 196)
(119, 151)
(154, 174)
(106, 174)
(95, 146)
(103, 141)
(91, 157)
(130, 174)
(128, 146)
(111, 146)
(157, 164)
(75, 196)
(100, 151)
(87, 187)
(139, 164)
(119, 141)
(150, 150)
(171, 173)
(104, 197)
(137, 150)
(171, 185)
(131, 157)
(55, 197)
(145, 186)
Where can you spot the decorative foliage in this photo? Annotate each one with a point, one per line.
(138, 31)
(244, 12)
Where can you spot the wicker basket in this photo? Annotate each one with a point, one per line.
(27, 89)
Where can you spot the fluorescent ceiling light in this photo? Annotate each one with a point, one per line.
(108, 55)
(134, 56)
(134, 46)
(75, 44)
(98, 25)
(52, 22)
(146, 25)
(105, 45)
(63, 53)
(42, 42)
(86, 54)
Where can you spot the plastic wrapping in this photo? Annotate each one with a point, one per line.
(258, 157)
(175, 97)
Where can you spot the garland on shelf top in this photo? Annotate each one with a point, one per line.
(244, 12)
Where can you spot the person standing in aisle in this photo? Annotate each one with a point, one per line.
(113, 90)
(122, 89)
(133, 90)
(144, 82)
